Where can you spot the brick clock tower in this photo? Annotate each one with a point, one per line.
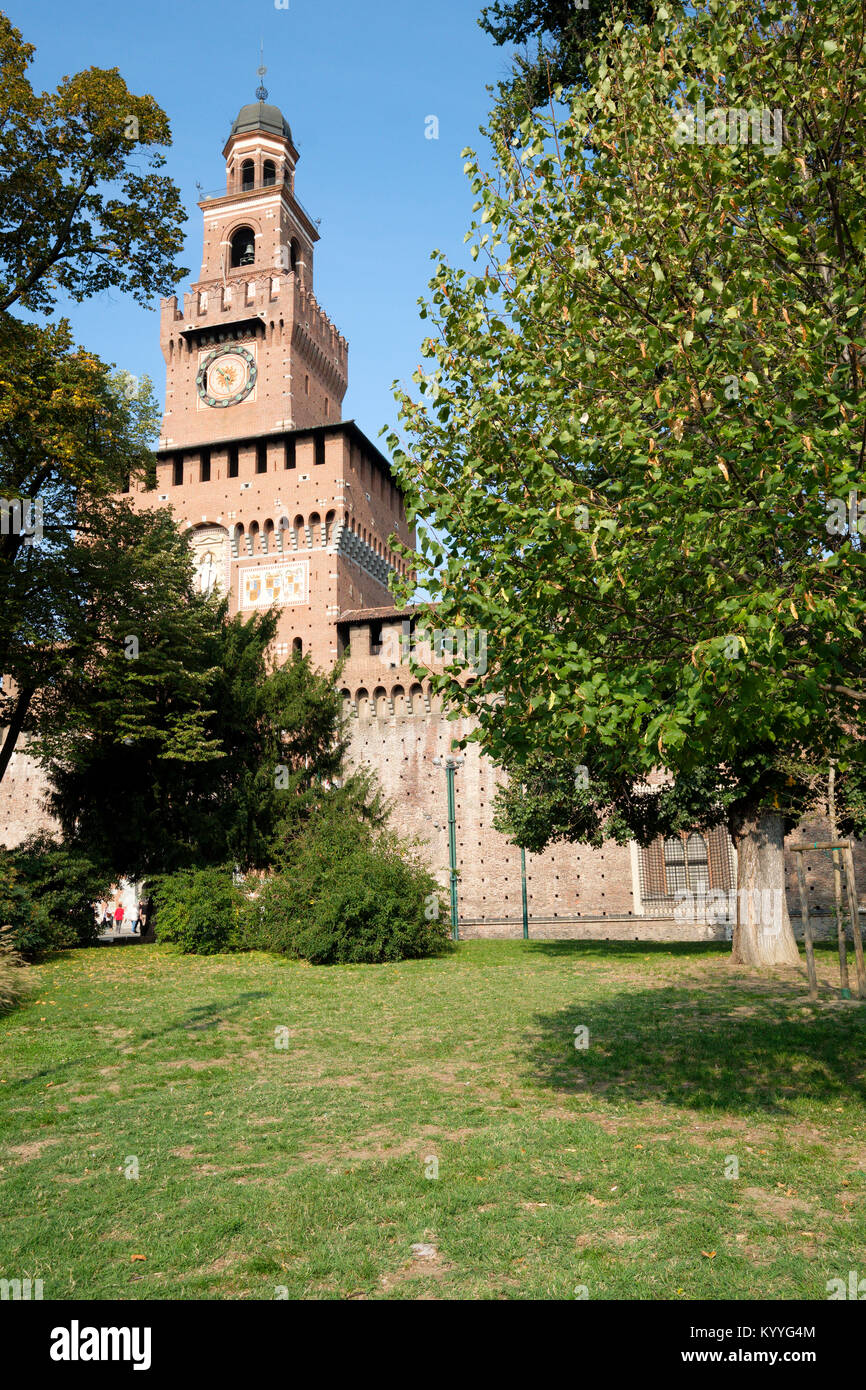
(288, 503)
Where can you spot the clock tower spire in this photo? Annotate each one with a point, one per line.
(251, 350)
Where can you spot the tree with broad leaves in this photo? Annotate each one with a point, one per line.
(636, 427)
(83, 206)
(563, 34)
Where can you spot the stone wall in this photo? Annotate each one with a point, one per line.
(565, 883)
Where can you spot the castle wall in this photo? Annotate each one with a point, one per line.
(573, 891)
(598, 886)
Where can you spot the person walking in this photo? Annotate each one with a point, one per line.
(136, 919)
(118, 916)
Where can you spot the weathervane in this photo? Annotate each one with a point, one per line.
(261, 90)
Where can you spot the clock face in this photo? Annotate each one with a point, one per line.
(226, 376)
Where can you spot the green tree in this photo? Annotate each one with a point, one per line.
(641, 418)
(130, 666)
(83, 207)
(69, 437)
(564, 34)
(146, 796)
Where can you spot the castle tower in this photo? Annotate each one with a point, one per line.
(289, 504)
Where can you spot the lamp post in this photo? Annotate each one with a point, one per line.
(523, 879)
(450, 764)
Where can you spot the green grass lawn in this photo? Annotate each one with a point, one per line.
(304, 1168)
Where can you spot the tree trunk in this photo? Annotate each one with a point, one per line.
(14, 727)
(762, 935)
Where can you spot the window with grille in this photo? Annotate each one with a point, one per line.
(688, 863)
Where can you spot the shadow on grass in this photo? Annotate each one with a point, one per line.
(619, 949)
(194, 1020)
(206, 1016)
(740, 1048)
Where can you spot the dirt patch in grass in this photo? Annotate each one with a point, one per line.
(32, 1150)
(426, 1262)
(221, 1263)
(382, 1144)
(776, 1206)
(200, 1063)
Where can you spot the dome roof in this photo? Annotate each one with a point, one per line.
(259, 115)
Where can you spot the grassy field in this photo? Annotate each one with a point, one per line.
(304, 1168)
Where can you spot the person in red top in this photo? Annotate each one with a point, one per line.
(118, 916)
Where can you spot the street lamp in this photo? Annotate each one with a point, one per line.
(450, 763)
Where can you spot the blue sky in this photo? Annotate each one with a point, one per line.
(356, 82)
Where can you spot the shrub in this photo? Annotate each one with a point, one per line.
(351, 895)
(200, 911)
(47, 894)
(13, 973)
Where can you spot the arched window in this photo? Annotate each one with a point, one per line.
(268, 536)
(398, 700)
(298, 532)
(348, 707)
(694, 864)
(253, 536)
(315, 525)
(297, 646)
(329, 527)
(248, 175)
(269, 173)
(294, 253)
(362, 701)
(416, 699)
(380, 702)
(243, 247)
